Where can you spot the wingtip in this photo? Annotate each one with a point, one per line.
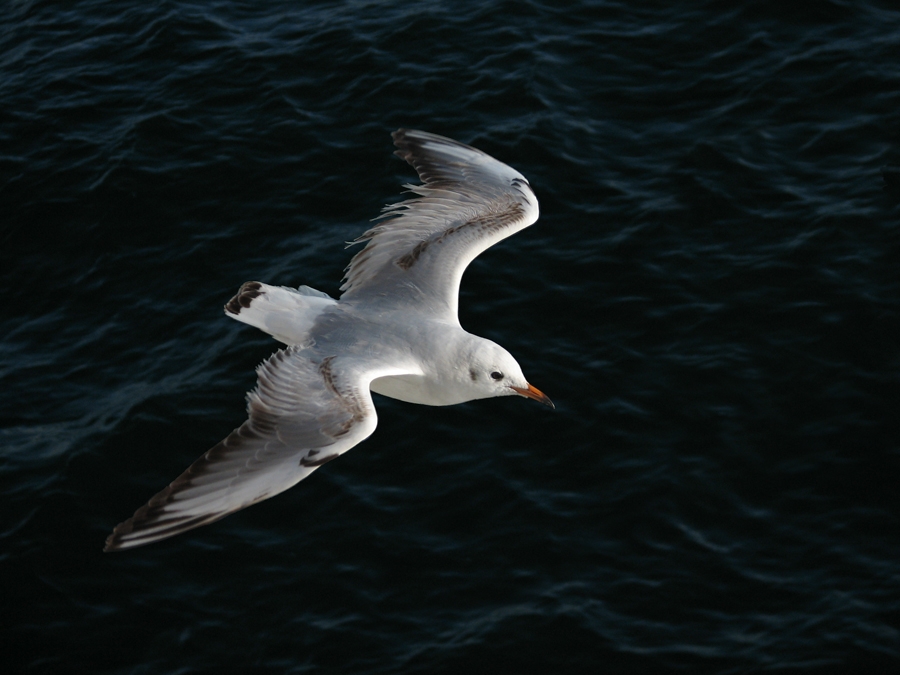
(402, 142)
(151, 529)
(113, 542)
(404, 137)
(399, 137)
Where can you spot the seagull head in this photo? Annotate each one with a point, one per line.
(492, 371)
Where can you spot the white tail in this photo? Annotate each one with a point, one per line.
(284, 313)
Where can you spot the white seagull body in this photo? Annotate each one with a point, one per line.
(394, 331)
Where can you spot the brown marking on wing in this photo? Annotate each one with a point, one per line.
(348, 398)
(406, 261)
(488, 223)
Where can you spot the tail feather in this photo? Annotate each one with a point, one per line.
(284, 313)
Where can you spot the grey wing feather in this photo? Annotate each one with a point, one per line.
(303, 413)
(418, 253)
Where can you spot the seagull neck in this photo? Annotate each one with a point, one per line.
(441, 355)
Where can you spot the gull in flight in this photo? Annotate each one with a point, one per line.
(393, 331)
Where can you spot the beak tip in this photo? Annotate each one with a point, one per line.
(536, 394)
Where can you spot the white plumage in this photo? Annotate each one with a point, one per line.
(394, 331)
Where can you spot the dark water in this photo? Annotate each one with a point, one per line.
(711, 298)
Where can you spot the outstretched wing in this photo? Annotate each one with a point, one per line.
(469, 201)
(303, 413)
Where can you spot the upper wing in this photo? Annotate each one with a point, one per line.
(469, 202)
(302, 414)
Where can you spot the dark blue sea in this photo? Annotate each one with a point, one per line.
(711, 297)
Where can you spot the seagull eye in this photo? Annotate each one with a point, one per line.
(497, 375)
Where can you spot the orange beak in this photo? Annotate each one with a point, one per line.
(534, 393)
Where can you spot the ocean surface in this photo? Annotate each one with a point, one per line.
(711, 297)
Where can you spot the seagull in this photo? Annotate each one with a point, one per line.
(394, 331)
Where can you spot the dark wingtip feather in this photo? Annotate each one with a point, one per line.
(245, 295)
(432, 171)
(155, 530)
(152, 519)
